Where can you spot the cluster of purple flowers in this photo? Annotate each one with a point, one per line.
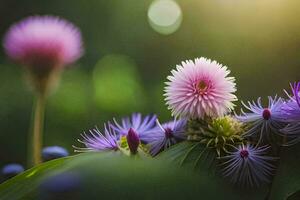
(201, 90)
(281, 116)
(137, 130)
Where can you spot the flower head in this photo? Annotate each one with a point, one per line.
(53, 152)
(137, 123)
(165, 135)
(96, 141)
(200, 88)
(43, 42)
(264, 121)
(248, 165)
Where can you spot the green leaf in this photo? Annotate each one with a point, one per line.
(287, 179)
(111, 175)
(193, 156)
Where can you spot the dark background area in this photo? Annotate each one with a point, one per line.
(126, 61)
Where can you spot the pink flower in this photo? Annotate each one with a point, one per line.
(200, 88)
(43, 42)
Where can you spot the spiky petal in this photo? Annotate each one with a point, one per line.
(248, 166)
(263, 121)
(139, 124)
(96, 141)
(200, 88)
(164, 135)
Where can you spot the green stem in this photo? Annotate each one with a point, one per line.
(37, 132)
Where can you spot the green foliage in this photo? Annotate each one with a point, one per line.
(184, 171)
(286, 183)
(111, 175)
(117, 85)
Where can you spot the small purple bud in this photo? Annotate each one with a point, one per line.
(133, 141)
(266, 114)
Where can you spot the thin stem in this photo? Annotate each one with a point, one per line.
(37, 132)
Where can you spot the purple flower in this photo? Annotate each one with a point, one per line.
(133, 141)
(137, 123)
(248, 165)
(264, 121)
(43, 42)
(292, 111)
(165, 135)
(96, 141)
(292, 107)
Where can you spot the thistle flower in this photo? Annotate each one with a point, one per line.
(137, 123)
(53, 152)
(164, 135)
(264, 120)
(96, 141)
(200, 88)
(248, 165)
(43, 42)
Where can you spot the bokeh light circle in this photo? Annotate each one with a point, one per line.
(164, 16)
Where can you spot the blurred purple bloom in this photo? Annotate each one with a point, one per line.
(137, 123)
(43, 41)
(248, 165)
(164, 135)
(11, 170)
(96, 141)
(264, 121)
(62, 186)
(133, 141)
(53, 152)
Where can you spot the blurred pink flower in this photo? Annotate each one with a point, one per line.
(43, 41)
(200, 88)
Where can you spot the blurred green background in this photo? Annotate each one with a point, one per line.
(129, 51)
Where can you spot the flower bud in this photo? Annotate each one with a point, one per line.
(133, 141)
